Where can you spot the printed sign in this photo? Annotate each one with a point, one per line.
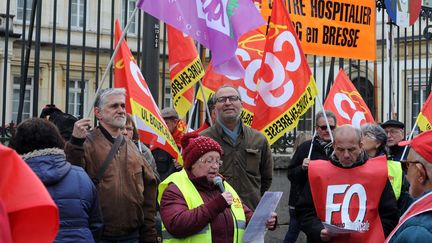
(339, 28)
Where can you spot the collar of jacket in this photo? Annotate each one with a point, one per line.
(360, 160)
(42, 152)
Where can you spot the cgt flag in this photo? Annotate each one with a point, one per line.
(185, 69)
(216, 24)
(140, 102)
(286, 87)
(346, 102)
(424, 119)
(250, 52)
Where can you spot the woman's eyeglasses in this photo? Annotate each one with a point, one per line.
(209, 161)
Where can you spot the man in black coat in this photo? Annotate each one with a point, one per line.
(298, 165)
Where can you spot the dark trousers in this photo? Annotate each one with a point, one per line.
(293, 229)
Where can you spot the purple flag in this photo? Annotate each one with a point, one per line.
(216, 24)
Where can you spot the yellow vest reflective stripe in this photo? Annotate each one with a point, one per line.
(194, 200)
(395, 176)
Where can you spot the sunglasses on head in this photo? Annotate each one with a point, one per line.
(325, 127)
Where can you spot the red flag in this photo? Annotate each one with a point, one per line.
(33, 215)
(286, 87)
(424, 119)
(250, 52)
(346, 102)
(140, 102)
(185, 69)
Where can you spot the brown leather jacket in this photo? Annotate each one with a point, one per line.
(127, 190)
(247, 165)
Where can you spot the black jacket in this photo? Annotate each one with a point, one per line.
(312, 226)
(396, 152)
(296, 174)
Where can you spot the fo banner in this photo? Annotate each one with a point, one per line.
(337, 28)
(346, 102)
(403, 12)
(286, 88)
(250, 53)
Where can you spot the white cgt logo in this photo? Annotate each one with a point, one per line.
(265, 88)
(358, 116)
(349, 192)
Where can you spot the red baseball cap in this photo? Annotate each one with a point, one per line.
(422, 144)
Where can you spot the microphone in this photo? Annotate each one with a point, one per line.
(218, 182)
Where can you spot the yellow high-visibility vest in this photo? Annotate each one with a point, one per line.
(395, 175)
(194, 200)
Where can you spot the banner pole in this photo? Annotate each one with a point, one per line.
(112, 59)
(205, 103)
(409, 138)
(192, 109)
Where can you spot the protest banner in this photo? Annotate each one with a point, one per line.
(217, 25)
(424, 118)
(185, 69)
(286, 87)
(337, 28)
(346, 103)
(139, 101)
(250, 52)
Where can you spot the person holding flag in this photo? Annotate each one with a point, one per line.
(415, 225)
(320, 147)
(126, 186)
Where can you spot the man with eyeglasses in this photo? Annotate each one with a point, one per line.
(126, 185)
(395, 133)
(298, 166)
(415, 225)
(248, 162)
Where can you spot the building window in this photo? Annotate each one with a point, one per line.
(130, 8)
(28, 98)
(20, 10)
(417, 96)
(167, 95)
(305, 122)
(74, 105)
(77, 13)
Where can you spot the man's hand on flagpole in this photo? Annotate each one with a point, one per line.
(81, 128)
(305, 164)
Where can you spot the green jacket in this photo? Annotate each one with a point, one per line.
(247, 165)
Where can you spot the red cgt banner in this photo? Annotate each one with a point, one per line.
(346, 102)
(286, 88)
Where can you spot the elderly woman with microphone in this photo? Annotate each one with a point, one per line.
(196, 205)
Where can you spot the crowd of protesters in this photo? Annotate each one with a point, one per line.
(347, 184)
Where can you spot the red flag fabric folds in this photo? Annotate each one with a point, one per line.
(346, 102)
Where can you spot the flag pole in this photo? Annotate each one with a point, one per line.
(205, 103)
(327, 123)
(112, 59)
(409, 138)
(192, 109)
